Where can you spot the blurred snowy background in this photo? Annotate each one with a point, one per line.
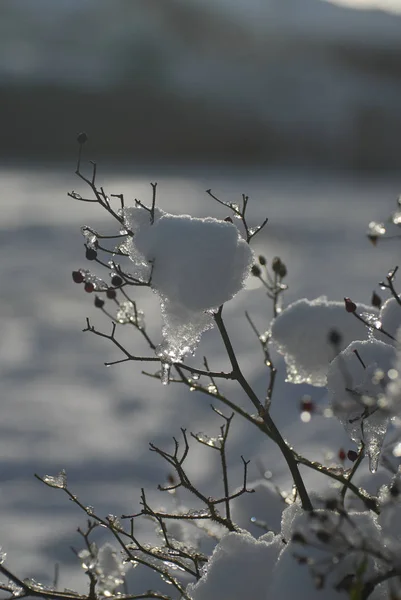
(272, 81)
(256, 97)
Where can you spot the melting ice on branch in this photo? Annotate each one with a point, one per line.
(195, 265)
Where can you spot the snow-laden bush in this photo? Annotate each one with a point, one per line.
(342, 543)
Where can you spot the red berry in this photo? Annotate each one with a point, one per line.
(77, 276)
(341, 454)
(307, 405)
(89, 287)
(352, 455)
(349, 305)
(111, 294)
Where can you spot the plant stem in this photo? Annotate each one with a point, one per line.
(271, 428)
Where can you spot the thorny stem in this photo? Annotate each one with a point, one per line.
(268, 361)
(224, 432)
(369, 501)
(373, 328)
(106, 523)
(390, 284)
(43, 593)
(271, 428)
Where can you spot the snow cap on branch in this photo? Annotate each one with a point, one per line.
(195, 265)
(357, 381)
(310, 333)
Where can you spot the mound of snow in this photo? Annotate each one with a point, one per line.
(302, 334)
(195, 265)
(357, 381)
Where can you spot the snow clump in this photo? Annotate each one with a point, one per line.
(195, 265)
(302, 334)
(357, 380)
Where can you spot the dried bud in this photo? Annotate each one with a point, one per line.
(77, 276)
(256, 271)
(82, 138)
(376, 300)
(352, 455)
(373, 239)
(116, 281)
(91, 254)
(228, 220)
(111, 294)
(89, 287)
(262, 260)
(279, 267)
(341, 454)
(349, 305)
(334, 337)
(99, 303)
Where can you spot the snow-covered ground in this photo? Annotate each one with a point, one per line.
(61, 408)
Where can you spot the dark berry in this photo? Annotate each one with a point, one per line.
(352, 455)
(89, 287)
(77, 276)
(256, 271)
(91, 254)
(334, 337)
(228, 220)
(99, 303)
(307, 405)
(349, 305)
(341, 454)
(111, 294)
(262, 260)
(82, 137)
(116, 281)
(376, 300)
(394, 491)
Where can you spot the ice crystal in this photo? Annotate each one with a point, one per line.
(57, 481)
(128, 313)
(90, 237)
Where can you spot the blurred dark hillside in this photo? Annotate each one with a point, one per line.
(301, 82)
